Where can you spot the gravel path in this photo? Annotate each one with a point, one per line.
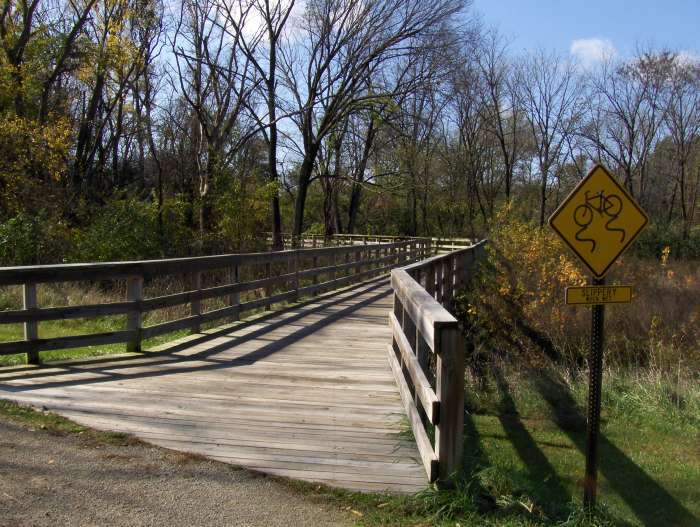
(71, 480)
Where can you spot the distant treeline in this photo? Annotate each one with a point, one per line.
(147, 128)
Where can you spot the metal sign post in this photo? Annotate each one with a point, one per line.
(598, 221)
(595, 385)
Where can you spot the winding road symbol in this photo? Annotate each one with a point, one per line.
(598, 220)
(609, 207)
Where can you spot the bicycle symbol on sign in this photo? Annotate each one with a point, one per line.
(606, 206)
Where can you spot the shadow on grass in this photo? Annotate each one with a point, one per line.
(537, 465)
(169, 362)
(650, 502)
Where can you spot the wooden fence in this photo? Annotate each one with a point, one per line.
(427, 355)
(438, 245)
(280, 276)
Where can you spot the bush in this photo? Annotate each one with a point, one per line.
(128, 230)
(32, 240)
(656, 237)
(515, 304)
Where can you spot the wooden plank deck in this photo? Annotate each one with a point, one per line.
(306, 393)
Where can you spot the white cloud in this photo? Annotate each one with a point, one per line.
(590, 51)
(687, 58)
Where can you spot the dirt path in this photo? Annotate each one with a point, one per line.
(50, 479)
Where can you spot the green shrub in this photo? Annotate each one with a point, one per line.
(656, 237)
(32, 240)
(121, 230)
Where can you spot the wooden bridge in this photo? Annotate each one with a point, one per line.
(339, 384)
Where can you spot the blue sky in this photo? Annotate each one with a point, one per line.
(599, 26)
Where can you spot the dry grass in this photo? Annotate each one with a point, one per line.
(515, 304)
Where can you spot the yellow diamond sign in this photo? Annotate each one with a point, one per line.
(598, 220)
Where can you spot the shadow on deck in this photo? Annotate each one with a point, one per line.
(305, 392)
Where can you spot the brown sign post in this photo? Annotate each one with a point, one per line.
(599, 220)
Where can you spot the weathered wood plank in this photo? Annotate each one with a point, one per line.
(59, 343)
(427, 396)
(426, 312)
(428, 456)
(134, 294)
(31, 329)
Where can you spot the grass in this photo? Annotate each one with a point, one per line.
(524, 456)
(56, 425)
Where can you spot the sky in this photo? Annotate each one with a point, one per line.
(592, 29)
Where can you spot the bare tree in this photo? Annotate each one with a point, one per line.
(550, 92)
(502, 99)
(261, 46)
(344, 42)
(683, 124)
(470, 114)
(626, 111)
(217, 79)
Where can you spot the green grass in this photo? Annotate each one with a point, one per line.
(64, 328)
(524, 457)
(56, 425)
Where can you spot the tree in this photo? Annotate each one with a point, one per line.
(217, 80)
(550, 92)
(683, 124)
(345, 42)
(626, 111)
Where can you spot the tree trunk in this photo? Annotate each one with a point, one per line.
(543, 196)
(305, 171)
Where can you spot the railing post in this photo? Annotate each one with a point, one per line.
(134, 322)
(234, 299)
(31, 329)
(430, 280)
(333, 263)
(314, 280)
(196, 305)
(450, 392)
(449, 286)
(268, 287)
(295, 269)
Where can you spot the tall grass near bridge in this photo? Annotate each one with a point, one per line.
(516, 306)
(526, 383)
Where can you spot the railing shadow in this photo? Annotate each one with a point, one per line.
(537, 465)
(649, 501)
(111, 369)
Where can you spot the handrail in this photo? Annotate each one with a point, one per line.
(439, 244)
(286, 276)
(423, 328)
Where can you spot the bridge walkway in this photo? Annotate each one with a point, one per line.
(305, 393)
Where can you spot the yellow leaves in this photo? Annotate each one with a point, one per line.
(30, 155)
(665, 253)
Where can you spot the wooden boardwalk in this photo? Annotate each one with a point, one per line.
(305, 393)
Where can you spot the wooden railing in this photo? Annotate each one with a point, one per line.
(280, 277)
(427, 355)
(439, 245)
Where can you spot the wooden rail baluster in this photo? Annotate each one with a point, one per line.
(234, 299)
(196, 305)
(268, 287)
(297, 265)
(31, 329)
(450, 390)
(134, 319)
